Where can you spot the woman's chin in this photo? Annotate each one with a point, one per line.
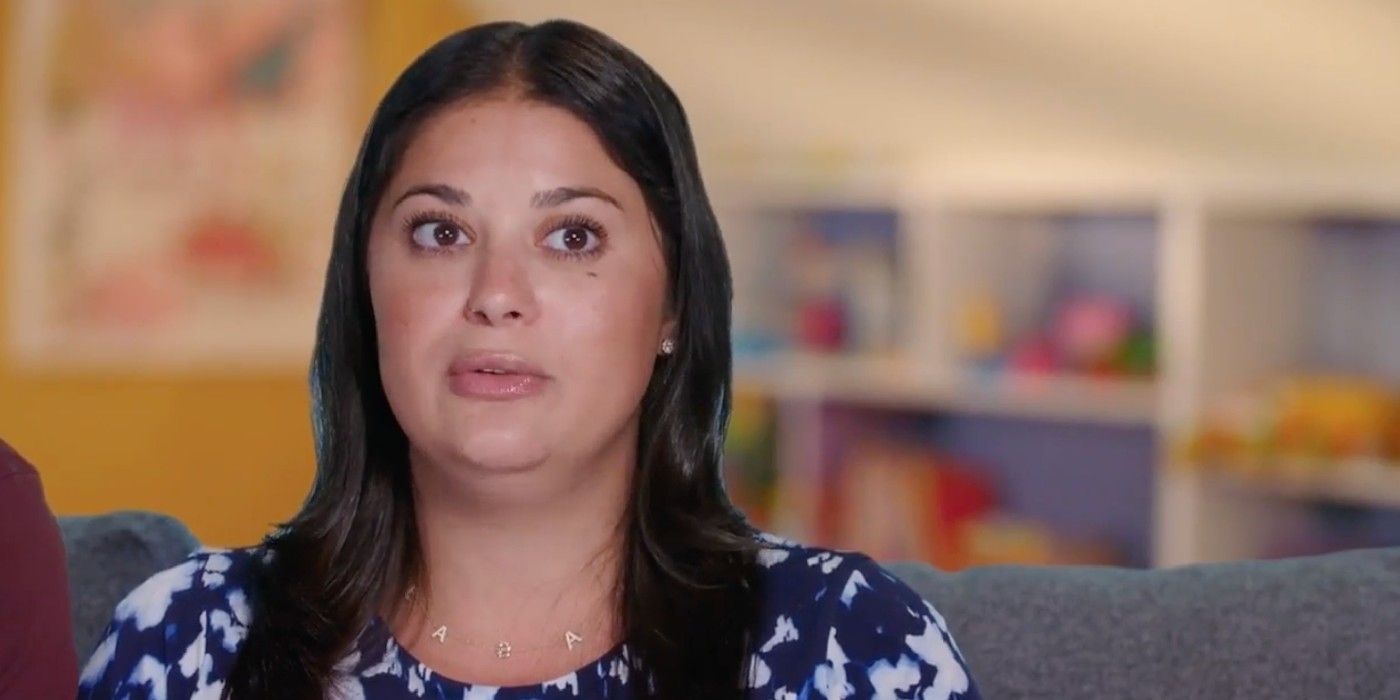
(500, 454)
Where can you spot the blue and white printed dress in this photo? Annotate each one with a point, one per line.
(835, 625)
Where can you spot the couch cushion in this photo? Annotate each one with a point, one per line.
(108, 555)
(1326, 626)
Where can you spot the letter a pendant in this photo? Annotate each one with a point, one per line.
(571, 639)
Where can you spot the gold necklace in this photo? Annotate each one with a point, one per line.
(503, 649)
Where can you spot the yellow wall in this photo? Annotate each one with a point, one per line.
(229, 456)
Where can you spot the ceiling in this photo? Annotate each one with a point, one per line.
(1309, 85)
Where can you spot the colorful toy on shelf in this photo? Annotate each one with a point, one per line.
(1035, 355)
(1090, 333)
(1138, 356)
(818, 319)
(1335, 418)
(964, 495)
(837, 279)
(1233, 432)
(896, 498)
(1000, 539)
(869, 291)
(1308, 420)
(821, 324)
(981, 327)
(906, 502)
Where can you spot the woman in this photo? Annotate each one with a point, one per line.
(521, 388)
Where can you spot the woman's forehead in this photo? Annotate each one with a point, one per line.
(510, 142)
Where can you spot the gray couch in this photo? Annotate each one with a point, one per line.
(1319, 627)
(108, 555)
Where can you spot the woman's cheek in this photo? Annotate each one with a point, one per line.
(615, 321)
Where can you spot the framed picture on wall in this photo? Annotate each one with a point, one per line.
(174, 174)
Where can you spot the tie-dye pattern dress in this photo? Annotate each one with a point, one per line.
(835, 625)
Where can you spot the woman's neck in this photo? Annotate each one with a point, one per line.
(527, 559)
(492, 551)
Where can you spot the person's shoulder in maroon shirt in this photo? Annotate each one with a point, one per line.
(37, 656)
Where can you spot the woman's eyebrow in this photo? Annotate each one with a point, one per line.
(547, 198)
(559, 195)
(446, 193)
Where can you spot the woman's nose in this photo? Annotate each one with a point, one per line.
(500, 292)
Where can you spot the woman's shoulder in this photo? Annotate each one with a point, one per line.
(208, 580)
(176, 626)
(861, 627)
(808, 574)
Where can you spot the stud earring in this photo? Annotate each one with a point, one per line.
(668, 346)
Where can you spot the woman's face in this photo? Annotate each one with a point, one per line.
(518, 288)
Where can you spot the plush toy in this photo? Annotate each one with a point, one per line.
(1138, 356)
(821, 324)
(1316, 420)
(1090, 331)
(1234, 432)
(980, 327)
(1035, 356)
(1002, 539)
(1334, 417)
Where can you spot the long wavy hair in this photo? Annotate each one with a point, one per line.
(688, 590)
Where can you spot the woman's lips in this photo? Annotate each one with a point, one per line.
(494, 376)
(480, 385)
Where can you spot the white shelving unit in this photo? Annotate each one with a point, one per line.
(1242, 271)
(900, 383)
(1371, 483)
(1227, 302)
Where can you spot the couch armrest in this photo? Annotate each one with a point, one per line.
(108, 556)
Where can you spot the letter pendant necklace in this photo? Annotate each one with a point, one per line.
(503, 649)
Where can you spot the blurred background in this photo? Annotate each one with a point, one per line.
(1073, 282)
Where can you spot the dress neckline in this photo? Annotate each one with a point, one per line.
(379, 631)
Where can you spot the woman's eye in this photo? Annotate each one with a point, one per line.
(438, 234)
(572, 239)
